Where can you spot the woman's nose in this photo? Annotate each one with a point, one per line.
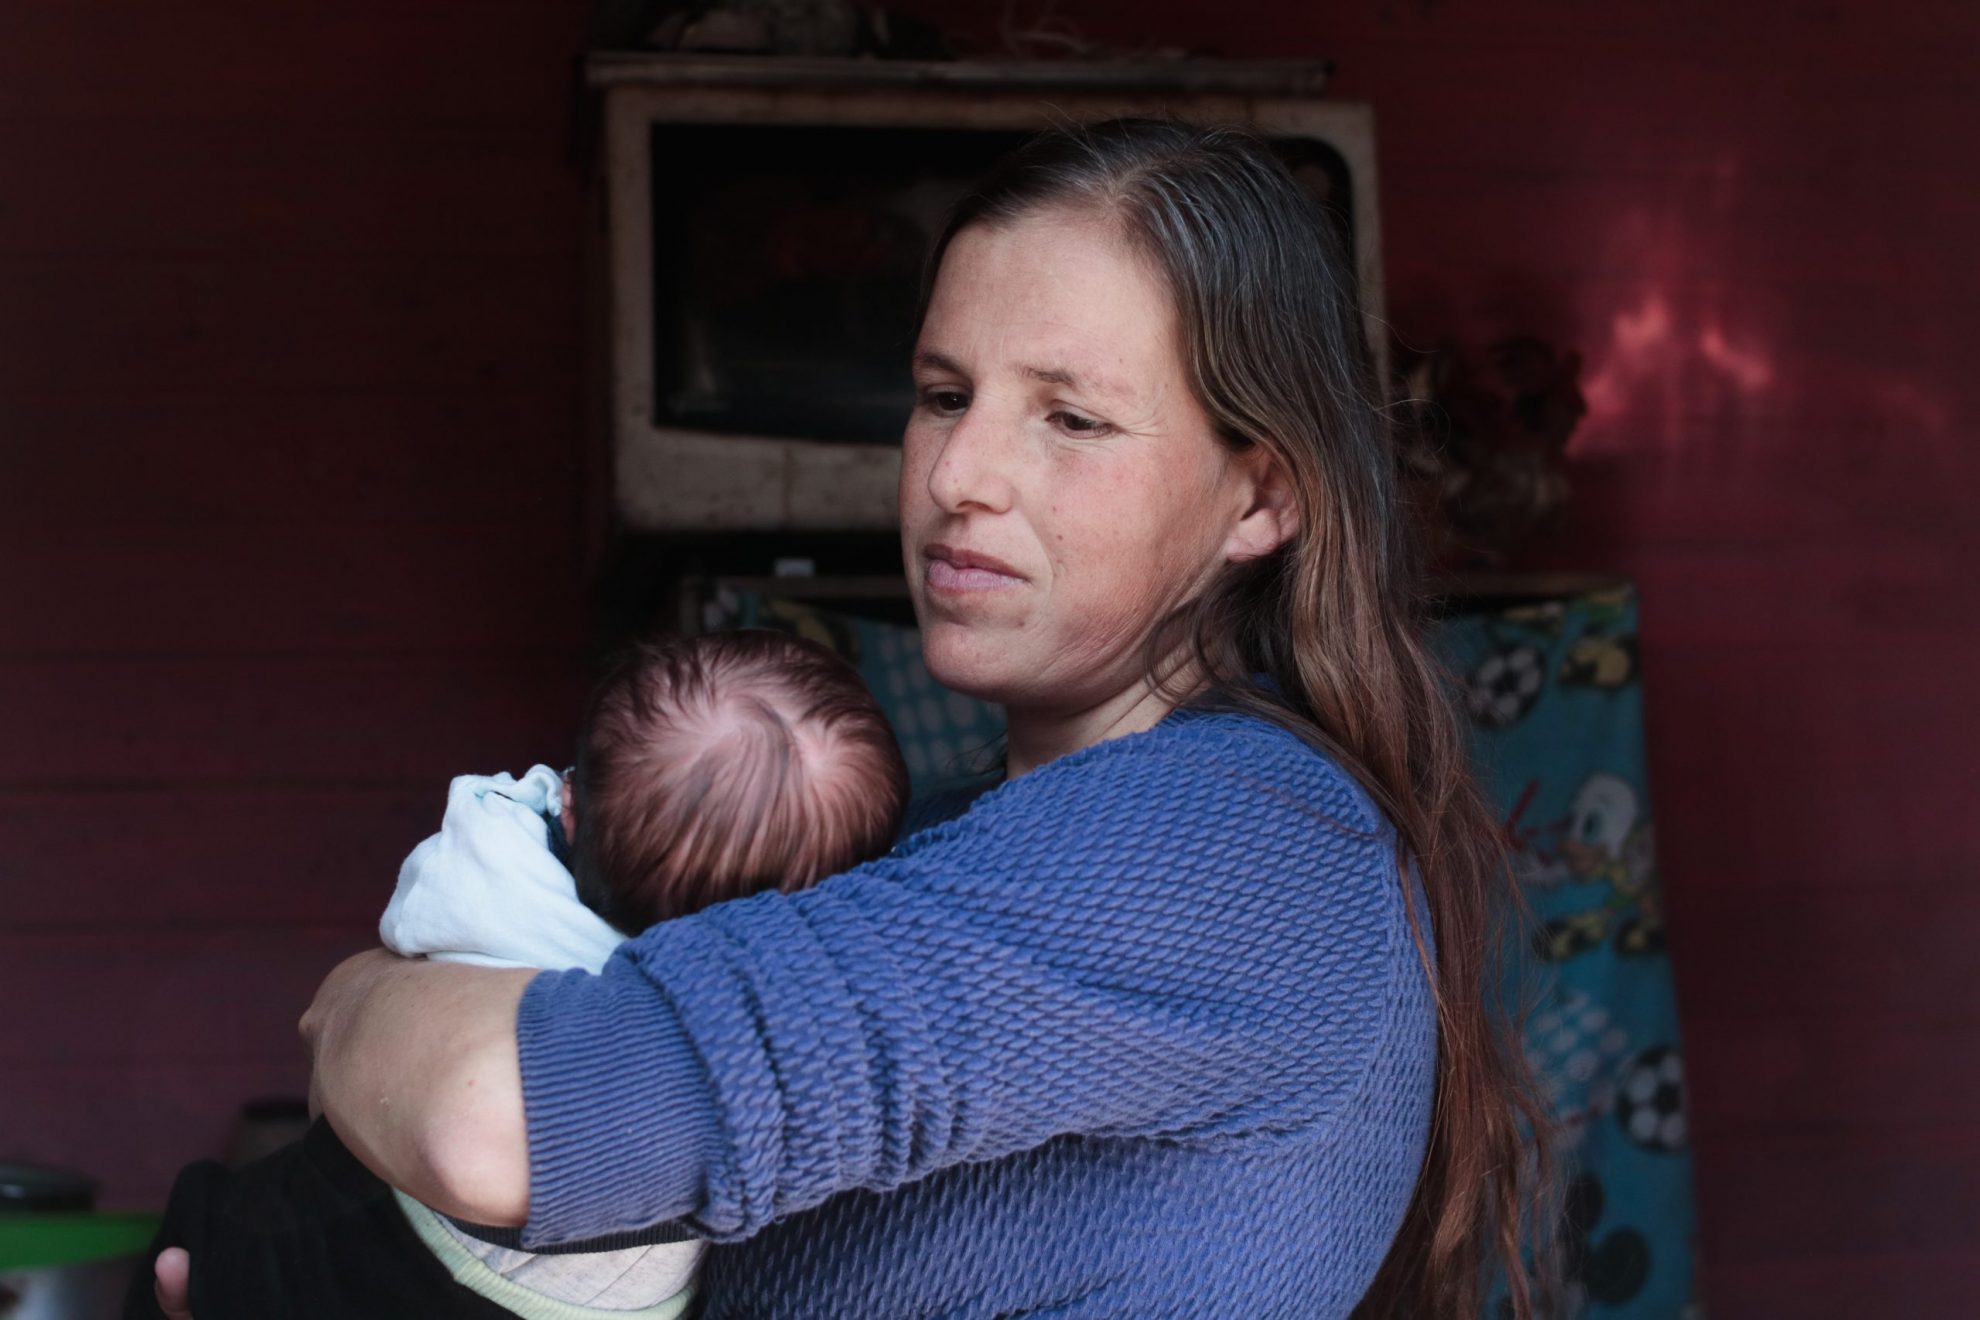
(973, 469)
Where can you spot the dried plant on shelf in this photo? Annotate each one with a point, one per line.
(1482, 443)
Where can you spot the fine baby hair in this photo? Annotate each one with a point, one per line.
(714, 767)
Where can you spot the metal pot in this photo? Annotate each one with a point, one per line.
(58, 1260)
(83, 1290)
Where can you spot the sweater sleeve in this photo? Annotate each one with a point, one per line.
(1186, 939)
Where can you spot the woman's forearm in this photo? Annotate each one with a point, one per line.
(416, 1069)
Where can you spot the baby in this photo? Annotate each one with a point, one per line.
(707, 769)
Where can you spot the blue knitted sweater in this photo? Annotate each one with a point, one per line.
(1141, 1033)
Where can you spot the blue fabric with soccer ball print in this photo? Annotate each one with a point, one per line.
(1551, 687)
(1556, 718)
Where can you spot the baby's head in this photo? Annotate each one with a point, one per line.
(714, 767)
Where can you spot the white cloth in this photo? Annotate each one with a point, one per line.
(487, 889)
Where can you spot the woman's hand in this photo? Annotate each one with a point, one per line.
(416, 1069)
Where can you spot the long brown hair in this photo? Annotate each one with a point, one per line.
(1271, 336)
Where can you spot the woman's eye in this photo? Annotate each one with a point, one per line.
(946, 402)
(1076, 424)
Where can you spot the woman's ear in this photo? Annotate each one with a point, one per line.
(1271, 509)
(568, 814)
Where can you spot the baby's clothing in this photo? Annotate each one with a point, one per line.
(637, 1283)
(309, 1233)
(490, 889)
(304, 1233)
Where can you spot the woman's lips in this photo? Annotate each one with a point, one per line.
(950, 569)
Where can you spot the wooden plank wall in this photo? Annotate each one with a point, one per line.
(289, 315)
(1758, 223)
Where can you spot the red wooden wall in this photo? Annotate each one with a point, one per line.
(288, 497)
(289, 480)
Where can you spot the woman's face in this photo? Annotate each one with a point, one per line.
(1061, 489)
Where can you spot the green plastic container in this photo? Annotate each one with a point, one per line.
(38, 1241)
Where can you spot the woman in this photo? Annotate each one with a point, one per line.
(1161, 1024)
